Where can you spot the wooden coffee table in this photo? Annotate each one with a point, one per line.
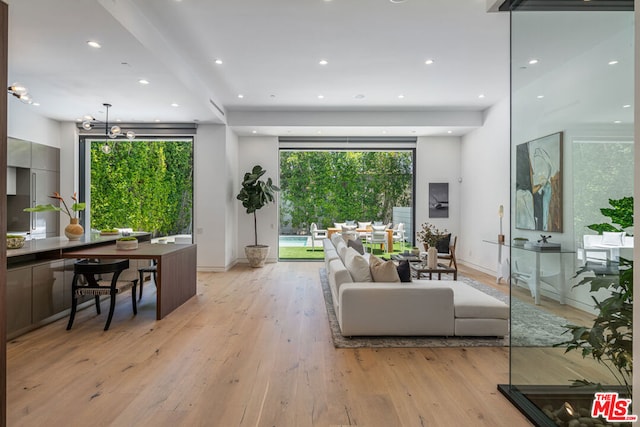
(421, 269)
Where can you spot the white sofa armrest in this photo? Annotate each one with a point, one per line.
(395, 309)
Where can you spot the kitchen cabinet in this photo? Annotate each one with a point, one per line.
(18, 153)
(43, 184)
(48, 290)
(44, 157)
(18, 300)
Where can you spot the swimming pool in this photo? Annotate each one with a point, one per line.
(293, 241)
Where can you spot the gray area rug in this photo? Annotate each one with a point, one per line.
(530, 327)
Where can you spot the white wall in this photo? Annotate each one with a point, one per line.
(438, 160)
(484, 160)
(261, 151)
(211, 176)
(25, 123)
(232, 185)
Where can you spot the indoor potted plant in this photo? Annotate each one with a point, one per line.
(74, 230)
(429, 235)
(254, 195)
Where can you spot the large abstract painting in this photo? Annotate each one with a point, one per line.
(438, 200)
(539, 184)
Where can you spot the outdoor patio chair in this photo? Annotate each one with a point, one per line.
(398, 235)
(317, 234)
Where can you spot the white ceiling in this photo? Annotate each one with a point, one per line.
(376, 51)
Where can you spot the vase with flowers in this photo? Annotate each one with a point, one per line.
(429, 235)
(73, 231)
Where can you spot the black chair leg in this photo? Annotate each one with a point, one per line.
(133, 296)
(112, 307)
(98, 304)
(74, 302)
(141, 282)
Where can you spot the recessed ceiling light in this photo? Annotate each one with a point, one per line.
(384, 131)
(401, 96)
(175, 105)
(254, 131)
(157, 120)
(320, 96)
(94, 44)
(481, 96)
(323, 62)
(240, 96)
(143, 81)
(36, 104)
(626, 106)
(540, 96)
(429, 61)
(533, 61)
(319, 132)
(617, 121)
(78, 120)
(613, 62)
(449, 131)
(218, 61)
(397, 1)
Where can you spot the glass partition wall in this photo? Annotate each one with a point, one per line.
(571, 156)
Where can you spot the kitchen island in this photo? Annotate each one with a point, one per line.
(176, 269)
(39, 279)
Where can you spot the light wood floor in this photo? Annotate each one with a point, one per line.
(253, 348)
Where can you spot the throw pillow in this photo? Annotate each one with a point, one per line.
(357, 245)
(379, 227)
(613, 239)
(339, 224)
(404, 271)
(341, 248)
(443, 245)
(348, 228)
(383, 271)
(364, 225)
(357, 266)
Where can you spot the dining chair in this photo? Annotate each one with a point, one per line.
(153, 269)
(398, 235)
(93, 284)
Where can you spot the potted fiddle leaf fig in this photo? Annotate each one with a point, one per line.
(254, 195)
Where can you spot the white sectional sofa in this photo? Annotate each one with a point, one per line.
(416, 308)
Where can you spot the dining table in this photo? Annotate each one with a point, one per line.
(389, 231)
(176, 269)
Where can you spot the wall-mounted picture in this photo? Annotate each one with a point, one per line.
(539, 184)
(438, 200)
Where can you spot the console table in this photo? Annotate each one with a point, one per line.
(176, 275)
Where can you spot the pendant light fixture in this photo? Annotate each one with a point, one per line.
(21, 92)
(112, 132)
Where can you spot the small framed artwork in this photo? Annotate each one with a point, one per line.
(539, 184)
(438, 200)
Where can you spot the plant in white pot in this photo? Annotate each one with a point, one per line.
(254, 195)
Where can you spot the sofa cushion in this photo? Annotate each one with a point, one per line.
(613, 239)
(339, 224)
(471, 303)
(335, 238)
(357, 265)
(364, 225)
(383, 271)
(357, 245)
(404, 271)
(341, 248)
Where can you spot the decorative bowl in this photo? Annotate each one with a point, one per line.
(127, 245)
(15, 242)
